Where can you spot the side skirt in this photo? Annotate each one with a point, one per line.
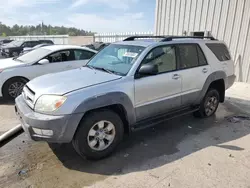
(152, 121)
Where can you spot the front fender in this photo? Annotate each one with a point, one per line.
(107, 99)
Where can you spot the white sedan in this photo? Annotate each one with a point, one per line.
(16, 72)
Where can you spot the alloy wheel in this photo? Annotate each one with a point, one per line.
(101, 135)
(15, 89)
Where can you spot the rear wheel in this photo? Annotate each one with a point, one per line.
(13, 88)
(209, 104)
(98, 134)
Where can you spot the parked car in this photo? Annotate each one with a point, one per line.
(127, 86)
(5, 41)
(16, 72)
(97, 45)
(14, 48)
(25, 50)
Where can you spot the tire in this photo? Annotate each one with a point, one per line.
(83, 137)
(212, 97)
(10, 85)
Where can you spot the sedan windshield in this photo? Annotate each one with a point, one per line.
(116, 58)
(34, 55)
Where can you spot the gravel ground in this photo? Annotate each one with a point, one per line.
(183, 152)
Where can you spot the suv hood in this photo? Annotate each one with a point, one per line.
(68, 81)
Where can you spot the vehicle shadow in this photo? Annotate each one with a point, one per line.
(6, 102)
(163, 144)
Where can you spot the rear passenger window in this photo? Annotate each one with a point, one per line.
(83, 54)
(188, 56)
(220, 51)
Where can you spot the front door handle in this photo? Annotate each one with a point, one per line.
(176, 76)
(204, 70)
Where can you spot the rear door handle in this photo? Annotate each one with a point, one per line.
(204, 70)
(176, 76)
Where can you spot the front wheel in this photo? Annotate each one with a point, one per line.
(98, 134)
(13, 88)
(209, 104)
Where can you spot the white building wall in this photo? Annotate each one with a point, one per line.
(227, 20)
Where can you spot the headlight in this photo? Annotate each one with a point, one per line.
(49, 103)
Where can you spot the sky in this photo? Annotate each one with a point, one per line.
(100, 16)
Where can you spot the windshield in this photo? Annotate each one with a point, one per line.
(34, 55)
(116, 58)
(15, 43)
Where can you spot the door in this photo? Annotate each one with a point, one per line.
(159, 93)
(58, 61)
(194, 71)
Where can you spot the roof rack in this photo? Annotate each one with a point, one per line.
(167, 38)
(170, 38)
(143, 37)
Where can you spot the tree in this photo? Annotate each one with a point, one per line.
(42, 29)
(4, 34)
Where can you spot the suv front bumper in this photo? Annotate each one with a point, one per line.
(49, 128)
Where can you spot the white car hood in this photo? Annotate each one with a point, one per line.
(68, 81)
(9, 63)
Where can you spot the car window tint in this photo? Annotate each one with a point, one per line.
(188, 56)
(33, 43)
(26, 44)
(61, 56)
(201, 56)
(220, 51)
(83, 54)
(164, 57)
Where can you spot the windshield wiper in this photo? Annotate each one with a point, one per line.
(89, 66)
(103, 69)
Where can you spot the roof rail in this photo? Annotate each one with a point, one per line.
(170, 38)
(167, 38)
(143, 37)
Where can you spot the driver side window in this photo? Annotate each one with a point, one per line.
(61, 56)
(163, 57)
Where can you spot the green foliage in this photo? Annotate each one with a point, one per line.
(4, 35)
(41, 29)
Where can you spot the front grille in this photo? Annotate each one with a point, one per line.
(28, 96)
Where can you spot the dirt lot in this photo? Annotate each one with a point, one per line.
(184, 152)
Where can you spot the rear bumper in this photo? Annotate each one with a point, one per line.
(230, 81)
(62, 127)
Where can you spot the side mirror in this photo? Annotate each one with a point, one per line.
(147, 70)
(43, 61)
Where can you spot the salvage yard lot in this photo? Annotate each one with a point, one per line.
(183, 152)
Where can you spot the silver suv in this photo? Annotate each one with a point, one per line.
(129, 85)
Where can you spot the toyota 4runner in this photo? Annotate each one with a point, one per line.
(127, 86)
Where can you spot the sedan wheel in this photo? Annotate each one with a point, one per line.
(15, 89)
